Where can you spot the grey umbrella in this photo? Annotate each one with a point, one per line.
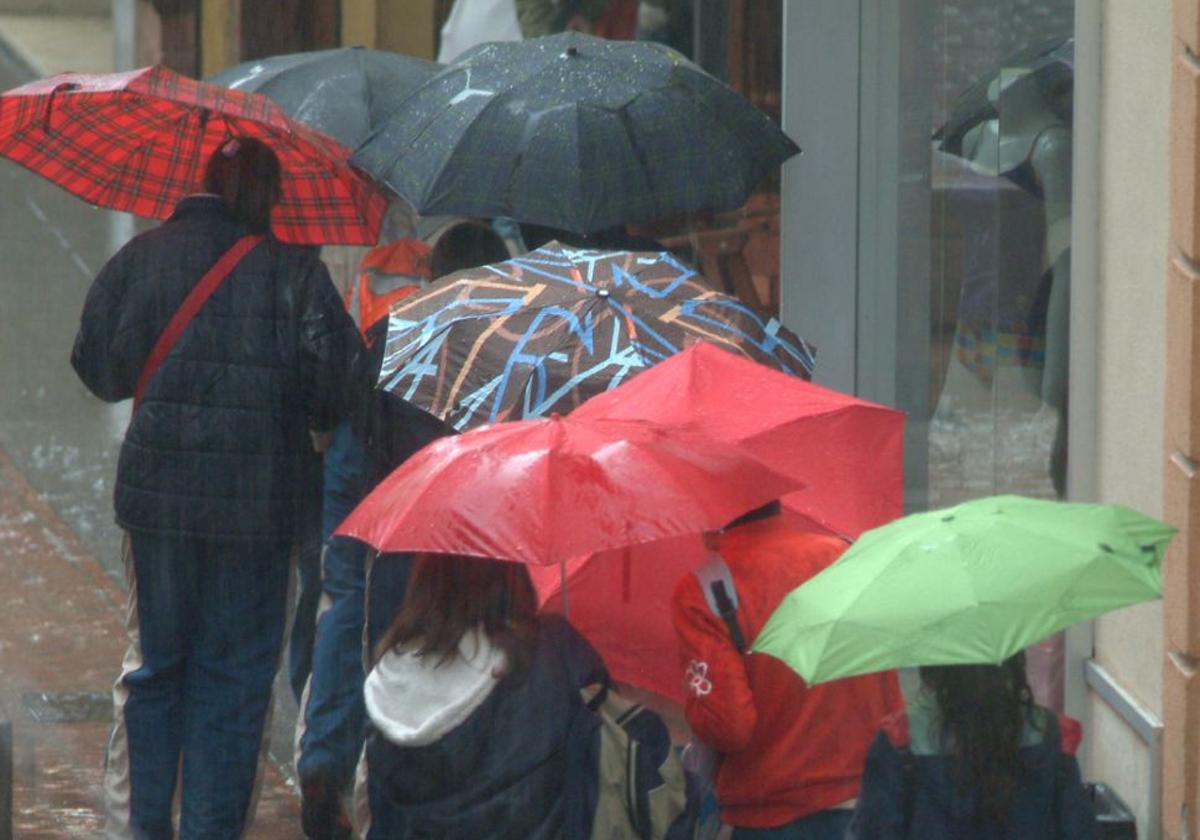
(344, 93)
(574, 132)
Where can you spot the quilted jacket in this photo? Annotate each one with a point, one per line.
(219, 446)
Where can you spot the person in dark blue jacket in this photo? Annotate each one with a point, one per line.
(974, 757)
(470, 702)
(215, 474)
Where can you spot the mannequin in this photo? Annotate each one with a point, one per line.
(1029, 130)
(1003, 404)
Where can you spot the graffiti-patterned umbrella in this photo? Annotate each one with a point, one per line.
(541, 333)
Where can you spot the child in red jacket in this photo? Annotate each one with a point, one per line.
(790, 755)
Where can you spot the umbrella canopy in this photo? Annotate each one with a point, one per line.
(846, 451)
(345, 93)
(138, 142)
(574, 132)
(971, 584)
(544, 491)
(542, 332)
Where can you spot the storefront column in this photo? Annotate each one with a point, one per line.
(219, 35)
(407, 26)
(1181, 494)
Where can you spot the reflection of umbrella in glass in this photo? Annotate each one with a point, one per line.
(574, 132)
(971, 584)
(543, 332)
(1050, 65)
(345, 92)
(138, 142)
(544, 491)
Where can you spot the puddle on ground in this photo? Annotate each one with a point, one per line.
(68, 706)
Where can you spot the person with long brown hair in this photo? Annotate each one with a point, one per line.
(470, 702)
(974, 756)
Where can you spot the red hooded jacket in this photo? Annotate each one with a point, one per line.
(787, 750)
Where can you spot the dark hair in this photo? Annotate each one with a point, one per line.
(449, 595)
(246, 174)
(982, 710)
(466, 245)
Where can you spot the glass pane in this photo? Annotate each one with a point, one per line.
(995, 85)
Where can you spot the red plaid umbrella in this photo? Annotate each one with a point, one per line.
(138, 142)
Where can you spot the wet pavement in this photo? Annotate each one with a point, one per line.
(62, 634)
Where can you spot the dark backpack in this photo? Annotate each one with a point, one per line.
(626, 780)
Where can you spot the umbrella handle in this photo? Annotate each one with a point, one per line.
(67, 86)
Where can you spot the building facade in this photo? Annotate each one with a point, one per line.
(994, 227)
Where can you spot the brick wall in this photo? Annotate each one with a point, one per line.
(1181, 496)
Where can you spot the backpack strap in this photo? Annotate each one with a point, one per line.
(716, 582)
(187, 310)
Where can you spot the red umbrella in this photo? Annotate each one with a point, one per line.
(138, 141)
(544, 491)
(847, 452)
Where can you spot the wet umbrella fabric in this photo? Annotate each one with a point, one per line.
(345, 93)
(544, 491)
(138, 142)
(848, 453)
(543, 332)
(970, 584)
(574, 132)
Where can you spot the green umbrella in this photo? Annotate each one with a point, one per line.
(969, 584)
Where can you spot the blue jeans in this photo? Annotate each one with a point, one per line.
(211, 617)
(823, 825)
(334, 714)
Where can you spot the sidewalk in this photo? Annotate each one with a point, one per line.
(62, 637)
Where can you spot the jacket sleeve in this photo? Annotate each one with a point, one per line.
(719, 704)
(329, 351)
(103, 357)
(879, 814)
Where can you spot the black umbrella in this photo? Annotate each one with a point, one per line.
(344, 93)
(576, 133)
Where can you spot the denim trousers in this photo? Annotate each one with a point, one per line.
(210, 625)
(333, 714)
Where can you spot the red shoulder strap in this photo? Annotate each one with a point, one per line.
(187, 310)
